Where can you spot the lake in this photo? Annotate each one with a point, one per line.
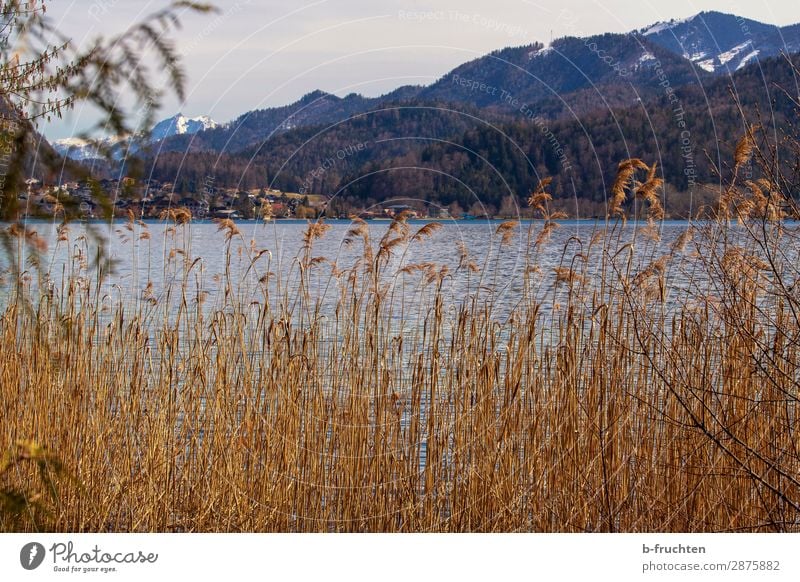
(162, 256)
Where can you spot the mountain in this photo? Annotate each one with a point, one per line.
(80, 149)
(181, 125)
(723, 43)
(487, 164)
(564, 78)
(567, 78)
(315, 158)
(317, 108)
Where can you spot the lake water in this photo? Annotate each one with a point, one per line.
(150, 258)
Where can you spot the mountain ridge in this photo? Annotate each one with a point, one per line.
(563, 78)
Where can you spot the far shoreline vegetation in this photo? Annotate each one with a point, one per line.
(106, 199)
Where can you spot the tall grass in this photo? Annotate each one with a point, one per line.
(610, 399)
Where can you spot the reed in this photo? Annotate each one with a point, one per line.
(608, 400)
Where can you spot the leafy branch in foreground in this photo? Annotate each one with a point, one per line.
(42, 74)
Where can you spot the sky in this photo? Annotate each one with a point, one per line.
(254, 54)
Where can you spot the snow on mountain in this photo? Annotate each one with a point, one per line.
(727, 56)
(646, 56)
(545, 50)
(659, 27)
(180, 125)
(81, 149)
(744, 61)
(708, 65)
(723, 43)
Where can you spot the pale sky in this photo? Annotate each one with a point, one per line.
(262, 53)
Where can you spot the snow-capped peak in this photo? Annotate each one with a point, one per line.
(81, 149)
(78, 148)
(71, 142)
(180, 125)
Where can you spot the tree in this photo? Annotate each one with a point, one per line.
(455, 210)
(509, 208)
